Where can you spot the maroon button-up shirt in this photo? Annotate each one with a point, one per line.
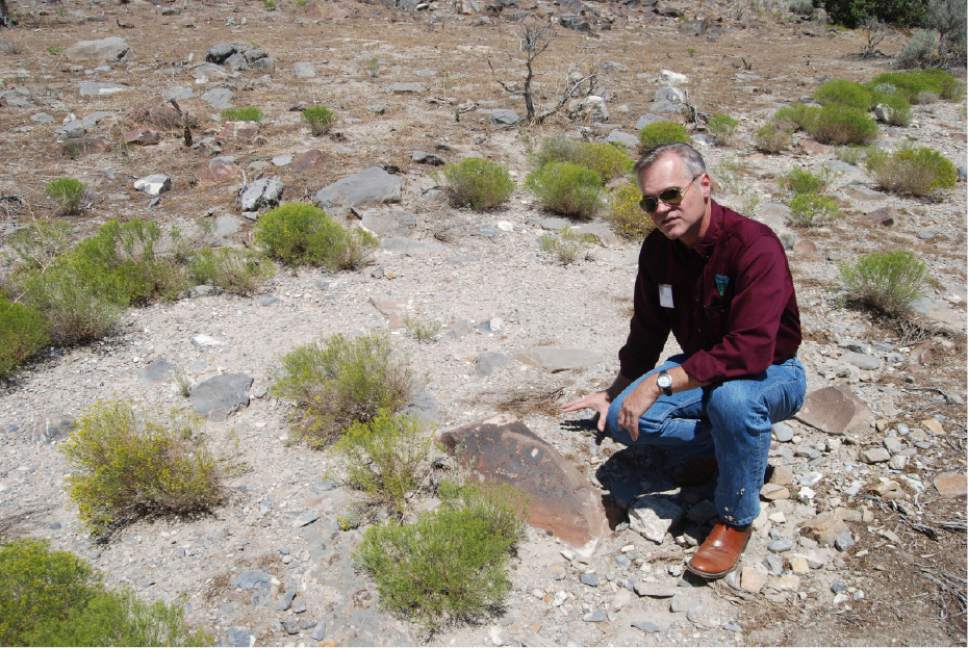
(729, 300)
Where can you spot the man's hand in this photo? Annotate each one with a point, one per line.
(597, 401)
(635, 404)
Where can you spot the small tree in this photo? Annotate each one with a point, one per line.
(535, 40)
(876, 32)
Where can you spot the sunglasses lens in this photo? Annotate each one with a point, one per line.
(649, 204)
(671, 196)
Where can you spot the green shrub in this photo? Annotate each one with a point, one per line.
(885, 281)
(799, 181)
(54, 598)
(73, 311)
(477, 182)
(626, 216)
(722, 128)
(853, 13)
(422, 330)
(23, 332)
(797, 116)
(659, 133)
(851, 154)
(913, 171)
(773, 137)
(567, 189)
(68, 193)
(900, 110)
(385, 457)
(235, 271)
(914, 85)
(301, 234)
(243, 113)
(319, 118)
(608, 160)
(920, 51)
(568, 246)
(339, 382)
(124, 468)
(810, 210)
(36, 244)
(839, 124)
(843, 92)
(450, 565)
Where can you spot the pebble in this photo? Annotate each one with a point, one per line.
(590, 578)
(783, 432)
(875, 455)
(780, 545)
(595, 616)
(838, 586)
(649, 627)
(844, 541)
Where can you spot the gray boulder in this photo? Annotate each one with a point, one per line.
(99, 89)
(103, 50)
(220, 396)
(370, 186)
(647, 119)
(625, 139)
(504, 117)
(218, 98)
(265, 192)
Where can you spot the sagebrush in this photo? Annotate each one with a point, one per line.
(23, 333)
(566, 188)
(625, 215)
(302, 234)
(608, 160)
(243, 113)
(660, 133)
(319, 118)
(887, 282)
(341, 381)
(478, 183)
(68, 193)
(125, 466)
(54, 598)
(810, 210)
(234, 270)
(918, 171)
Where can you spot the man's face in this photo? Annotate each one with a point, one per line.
(683, 221)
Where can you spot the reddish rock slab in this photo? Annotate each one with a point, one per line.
(836, 410)
(308, 160)
(142, 137)
(244, 131)
(220, 170)
(560, 499)
(952, 484)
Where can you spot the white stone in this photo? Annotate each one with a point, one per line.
(153, 185)
(668, 76)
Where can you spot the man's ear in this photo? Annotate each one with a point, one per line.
(707, 185)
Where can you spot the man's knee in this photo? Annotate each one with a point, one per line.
(733, 401)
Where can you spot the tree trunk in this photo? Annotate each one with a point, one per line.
(5, 15)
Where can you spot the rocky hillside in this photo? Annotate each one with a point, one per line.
(862, 535)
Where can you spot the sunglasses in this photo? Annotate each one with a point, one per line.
(673, 196)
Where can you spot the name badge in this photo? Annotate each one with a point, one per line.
(665, 296)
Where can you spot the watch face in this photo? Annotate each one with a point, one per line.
(664, 380)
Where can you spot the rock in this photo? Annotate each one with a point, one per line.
(178, 93)
(220, 52)
(286, 601)
(649, 627)
(621, 600)
(103, 50)
(142, 137)
(656, 590)
(862, 361)
(883, 216)
(282, 160)
(240, 637)
(487, 363)
(100, 89)
(304, 70)
(240, 57)
(647, 119)
(406, 88)
(308, 160)
(783, 432)
(222, 395)
(780, 545)
(49, 429)
(940, 313)
(422, 157)
(555, 359)
(305, 519)
(159, 370)
(933, 426)
(625, 139)
(799, 565)
(575, 22)
(875, 455)
(781, 475)
(893, 445)
(884, 113)
(673, 78)
(253, 579)
(753, 578)
(898, 462)
(153, 185)
(220, 169)
(372, 185)
(951, 484)
(242, 131)
(595, 616)
(590, 579)
(844, 540)
(218, 98)
(824, 528)
(504, 117)
(559, 498)
(703, 616)
(589, 109)
(652, 515)
(787, 583)
(291, 627)
(774, 564)
(836, 410)
(264, 192)
(773, 492)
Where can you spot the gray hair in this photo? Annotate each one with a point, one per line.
(691, 159)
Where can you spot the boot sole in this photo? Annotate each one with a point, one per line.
(708, 575)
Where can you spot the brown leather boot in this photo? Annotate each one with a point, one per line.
(720, 552)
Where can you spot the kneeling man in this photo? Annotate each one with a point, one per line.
(721, 283)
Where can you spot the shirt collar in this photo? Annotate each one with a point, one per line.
(704, 246)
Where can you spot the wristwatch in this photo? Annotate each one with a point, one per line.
(664, 381)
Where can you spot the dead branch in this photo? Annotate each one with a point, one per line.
(569, 93)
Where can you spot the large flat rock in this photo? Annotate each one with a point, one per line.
(368, 187)
(555, 359)
(559, 498)
(103, 50)
(836, 410)
(218, 397)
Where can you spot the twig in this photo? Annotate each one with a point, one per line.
(936, 390)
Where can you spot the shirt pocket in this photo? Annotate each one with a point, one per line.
(715, 321)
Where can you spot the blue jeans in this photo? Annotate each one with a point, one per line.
(732, 420)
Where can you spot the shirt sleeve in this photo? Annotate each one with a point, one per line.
(763, 288)
(648, 329)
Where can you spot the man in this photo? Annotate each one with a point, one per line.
(721, 283)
